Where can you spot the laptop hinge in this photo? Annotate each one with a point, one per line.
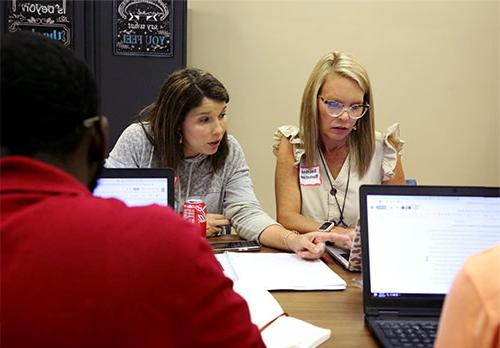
(406, 313)
(388, 313)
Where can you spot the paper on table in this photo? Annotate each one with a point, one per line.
(263, 306)
(292, 332)
(280, 271)
(284, 331)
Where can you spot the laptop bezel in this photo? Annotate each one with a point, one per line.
(144, 173)
(414, 305)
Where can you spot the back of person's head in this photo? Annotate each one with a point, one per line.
(363, 139)
(182, 91)
(47, 93)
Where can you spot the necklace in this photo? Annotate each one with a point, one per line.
(333, 190)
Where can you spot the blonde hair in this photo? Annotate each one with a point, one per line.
(362, 141)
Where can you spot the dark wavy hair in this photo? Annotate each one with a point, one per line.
(182, 91)
(46, 94)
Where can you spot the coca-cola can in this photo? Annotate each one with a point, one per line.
(195, 211)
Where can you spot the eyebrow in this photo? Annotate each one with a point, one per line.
(223, 110)
(208, 113)
(339, 101)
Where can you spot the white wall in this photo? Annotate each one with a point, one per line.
(434, 68)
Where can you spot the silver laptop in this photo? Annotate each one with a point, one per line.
(414, 241)
(137, 186)
(349, 259)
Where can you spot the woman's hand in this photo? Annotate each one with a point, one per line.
(215, 224)
(306, 245)
(339, 236)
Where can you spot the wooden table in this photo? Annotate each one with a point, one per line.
(339, 311)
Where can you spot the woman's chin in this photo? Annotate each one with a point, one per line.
(207, 152)
(212, 150)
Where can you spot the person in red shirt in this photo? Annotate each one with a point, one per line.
(81, 271)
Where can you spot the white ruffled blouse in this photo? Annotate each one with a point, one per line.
(317, 202)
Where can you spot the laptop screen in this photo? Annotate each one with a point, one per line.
(418, 237)
(418, 243)
(137, 187)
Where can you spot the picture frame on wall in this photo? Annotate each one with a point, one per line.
(51, 18)
(143, 28)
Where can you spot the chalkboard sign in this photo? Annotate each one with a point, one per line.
(143, 27)
(52, 18)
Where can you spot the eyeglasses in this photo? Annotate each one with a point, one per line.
(335, 108)
(89, 122)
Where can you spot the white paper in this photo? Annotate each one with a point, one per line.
(280, 271)
(284, 331)
(293, 332)
(227, 268)
(263, 306)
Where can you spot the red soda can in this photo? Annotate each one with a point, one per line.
(195, 211)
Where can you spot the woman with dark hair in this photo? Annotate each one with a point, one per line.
(185, 129)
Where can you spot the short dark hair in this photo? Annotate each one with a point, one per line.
(46, 94)
(181, 92)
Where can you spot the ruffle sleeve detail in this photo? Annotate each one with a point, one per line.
(292, 134)
(392, 146)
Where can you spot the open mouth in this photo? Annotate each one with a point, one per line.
(214, 143)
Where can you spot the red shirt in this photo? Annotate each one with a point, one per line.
(81, 271)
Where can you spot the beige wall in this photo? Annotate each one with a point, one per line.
(434, 67)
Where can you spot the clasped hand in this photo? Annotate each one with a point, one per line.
(307, 246)
(216, 224)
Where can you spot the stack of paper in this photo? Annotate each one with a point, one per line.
(277, 329)
(280, 271)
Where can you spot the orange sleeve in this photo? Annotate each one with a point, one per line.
(469, 317)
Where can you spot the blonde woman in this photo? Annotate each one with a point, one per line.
(321, 165)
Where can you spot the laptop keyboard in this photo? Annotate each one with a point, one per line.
(413, 334)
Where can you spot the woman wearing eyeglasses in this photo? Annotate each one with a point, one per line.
(320, 166)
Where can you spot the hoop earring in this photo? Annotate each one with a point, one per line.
(179, 134)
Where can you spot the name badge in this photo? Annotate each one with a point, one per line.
(310, 176)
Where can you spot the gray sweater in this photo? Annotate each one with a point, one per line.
(229, 191)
